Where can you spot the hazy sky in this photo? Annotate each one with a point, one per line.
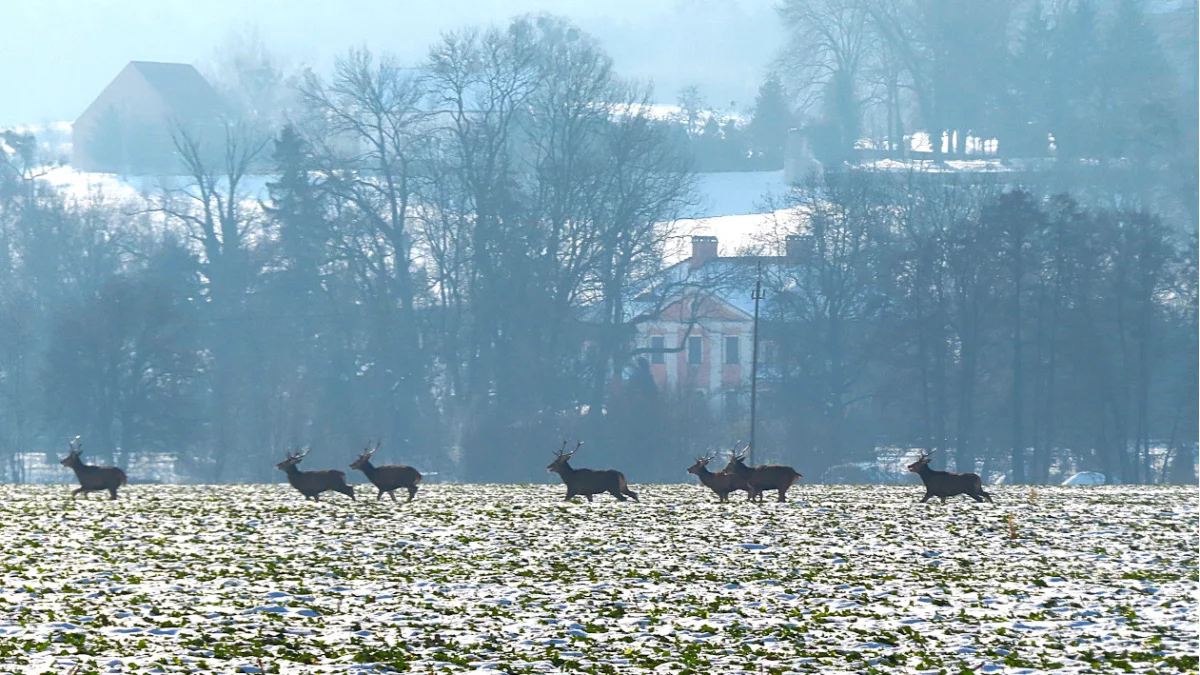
(56, 55)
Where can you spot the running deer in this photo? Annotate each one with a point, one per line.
(387, 478)
(312, 483)
(943, 484)
(92, 478)
(588, 482)
(759, 479)
(720, 483)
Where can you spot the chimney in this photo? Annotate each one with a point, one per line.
(704, 248)
(791, 246)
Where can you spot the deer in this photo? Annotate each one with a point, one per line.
(721, 483)
(588, 482)
(759, 479)
(92, 478)
(943, 484)
(312, 483)
(387, 478)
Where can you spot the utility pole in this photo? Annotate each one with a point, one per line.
(756, 296)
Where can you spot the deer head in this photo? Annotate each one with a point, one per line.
(737, 460)
(76, 449)
(701, 464)
(366, 456)
(292, 460)
(922, 461)
(561, 456)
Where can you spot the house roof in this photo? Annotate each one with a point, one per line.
(180, 85)
(182, 89)
(725, 281)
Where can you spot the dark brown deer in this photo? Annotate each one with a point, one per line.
(759, 479)
(721, 483)
(92, 478)
(943, 484)
(588, 482)
(387, 478)
(312, 483)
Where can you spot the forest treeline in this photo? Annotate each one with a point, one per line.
(444, 257)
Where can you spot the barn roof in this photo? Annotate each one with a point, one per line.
(182, 88)
(180, 85)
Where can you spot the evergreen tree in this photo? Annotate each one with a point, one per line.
(1134, 83)
(295, 206)
(769, 123)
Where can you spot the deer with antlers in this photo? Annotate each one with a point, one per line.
(721, 483)
(388, 478)
(759, 479)
(588, 482)
(92, 478)
(943, 484)
(312, 483)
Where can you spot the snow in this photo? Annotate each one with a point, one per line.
(736, 193)
(1086, 478)
(83, 185)
(472, 578)
(737, 207)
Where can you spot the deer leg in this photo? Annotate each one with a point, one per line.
(77, 491)
(927, 496)
(380, 495)
(392, 494)
(589, 498)
(783, 494)
(977, 498)
(570, 495)
(112, 493)
(412, 492)
(942, 498)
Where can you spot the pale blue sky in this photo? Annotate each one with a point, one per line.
(56, 55)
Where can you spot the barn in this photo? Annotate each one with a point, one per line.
(130, 127)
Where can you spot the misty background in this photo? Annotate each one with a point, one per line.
(724, 44)
(475, 229)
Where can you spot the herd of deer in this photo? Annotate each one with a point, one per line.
(754, 480)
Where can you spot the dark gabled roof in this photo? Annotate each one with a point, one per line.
(180, 85)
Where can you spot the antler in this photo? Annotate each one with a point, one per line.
(562, 451)
(75, 446)
(368, 452)
(576, 449)
(741, 455)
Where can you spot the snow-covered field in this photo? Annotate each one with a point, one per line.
(509, 579)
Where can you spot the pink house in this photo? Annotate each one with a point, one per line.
(699, 334)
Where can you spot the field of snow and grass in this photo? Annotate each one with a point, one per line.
(510, 579)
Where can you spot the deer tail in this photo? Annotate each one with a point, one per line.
(124, 479)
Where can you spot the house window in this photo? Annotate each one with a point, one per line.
(659, 344)
(695, 351)
(732, 354)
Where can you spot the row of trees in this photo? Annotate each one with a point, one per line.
(1079, 78)
(444, 258)
(1018, 334)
